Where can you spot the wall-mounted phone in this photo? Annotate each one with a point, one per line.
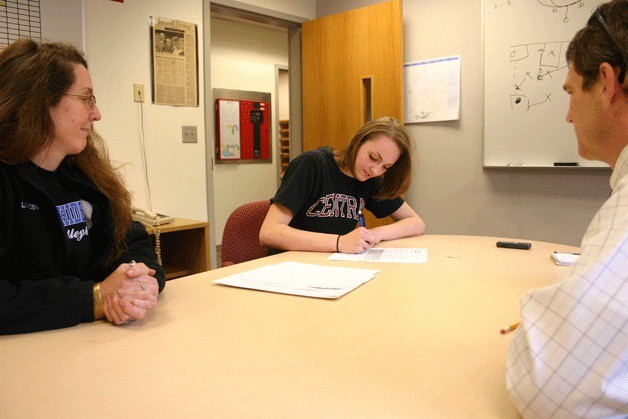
(150, 218)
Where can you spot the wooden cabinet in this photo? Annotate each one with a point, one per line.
(184, 246)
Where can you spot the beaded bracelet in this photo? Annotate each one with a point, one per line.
(337, 243)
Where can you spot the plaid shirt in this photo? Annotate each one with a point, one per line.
(569, 356)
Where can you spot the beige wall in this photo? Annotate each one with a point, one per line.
(118, 54)
(450, 188)
(117, 46)
(62, 20)
(243, 57)
(285, 9)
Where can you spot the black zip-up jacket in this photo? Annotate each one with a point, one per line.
(37, 289)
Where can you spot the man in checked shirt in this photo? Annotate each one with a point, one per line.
(569, 356)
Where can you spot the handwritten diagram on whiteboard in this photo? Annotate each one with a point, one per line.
(525, 42)
(432, 90)
(536, 64)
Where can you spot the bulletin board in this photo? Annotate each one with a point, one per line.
(243, 121)
(524, 70)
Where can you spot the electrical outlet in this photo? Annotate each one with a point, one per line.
(138, 92)
(189, 134)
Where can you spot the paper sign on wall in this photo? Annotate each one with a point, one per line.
(243, 130)
(432, 90)
(229, 129)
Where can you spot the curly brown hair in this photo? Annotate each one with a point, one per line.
(34, 78)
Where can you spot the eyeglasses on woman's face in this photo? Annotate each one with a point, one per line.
(89, 100)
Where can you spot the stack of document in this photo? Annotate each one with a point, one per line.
(301, 279)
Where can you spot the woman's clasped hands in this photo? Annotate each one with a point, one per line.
(129, 292)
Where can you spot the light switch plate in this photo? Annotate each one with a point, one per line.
(189, 134)
(138, 92)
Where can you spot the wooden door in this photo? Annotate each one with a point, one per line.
(352, 72)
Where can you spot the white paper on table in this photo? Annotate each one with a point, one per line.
(305, 279)
(391, 255)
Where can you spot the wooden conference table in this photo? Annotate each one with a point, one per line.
(418, 340)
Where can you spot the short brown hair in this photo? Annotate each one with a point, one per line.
(396, 180)
(592, 46)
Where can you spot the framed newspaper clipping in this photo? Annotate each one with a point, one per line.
(174, 60)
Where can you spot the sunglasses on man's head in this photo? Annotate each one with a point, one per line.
(597, 17)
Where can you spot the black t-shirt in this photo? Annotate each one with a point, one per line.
(325, 200)
(75, 218)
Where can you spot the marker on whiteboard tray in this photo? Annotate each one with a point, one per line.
(515, 164)
(566, 163)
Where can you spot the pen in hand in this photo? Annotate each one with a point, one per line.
(509, 328)
(361, 218)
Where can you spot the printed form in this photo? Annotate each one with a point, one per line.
(391, 255)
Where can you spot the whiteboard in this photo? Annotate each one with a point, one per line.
(525, 42)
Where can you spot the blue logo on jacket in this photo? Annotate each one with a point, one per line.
(72, 214)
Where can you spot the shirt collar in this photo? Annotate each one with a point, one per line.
(621, 168)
